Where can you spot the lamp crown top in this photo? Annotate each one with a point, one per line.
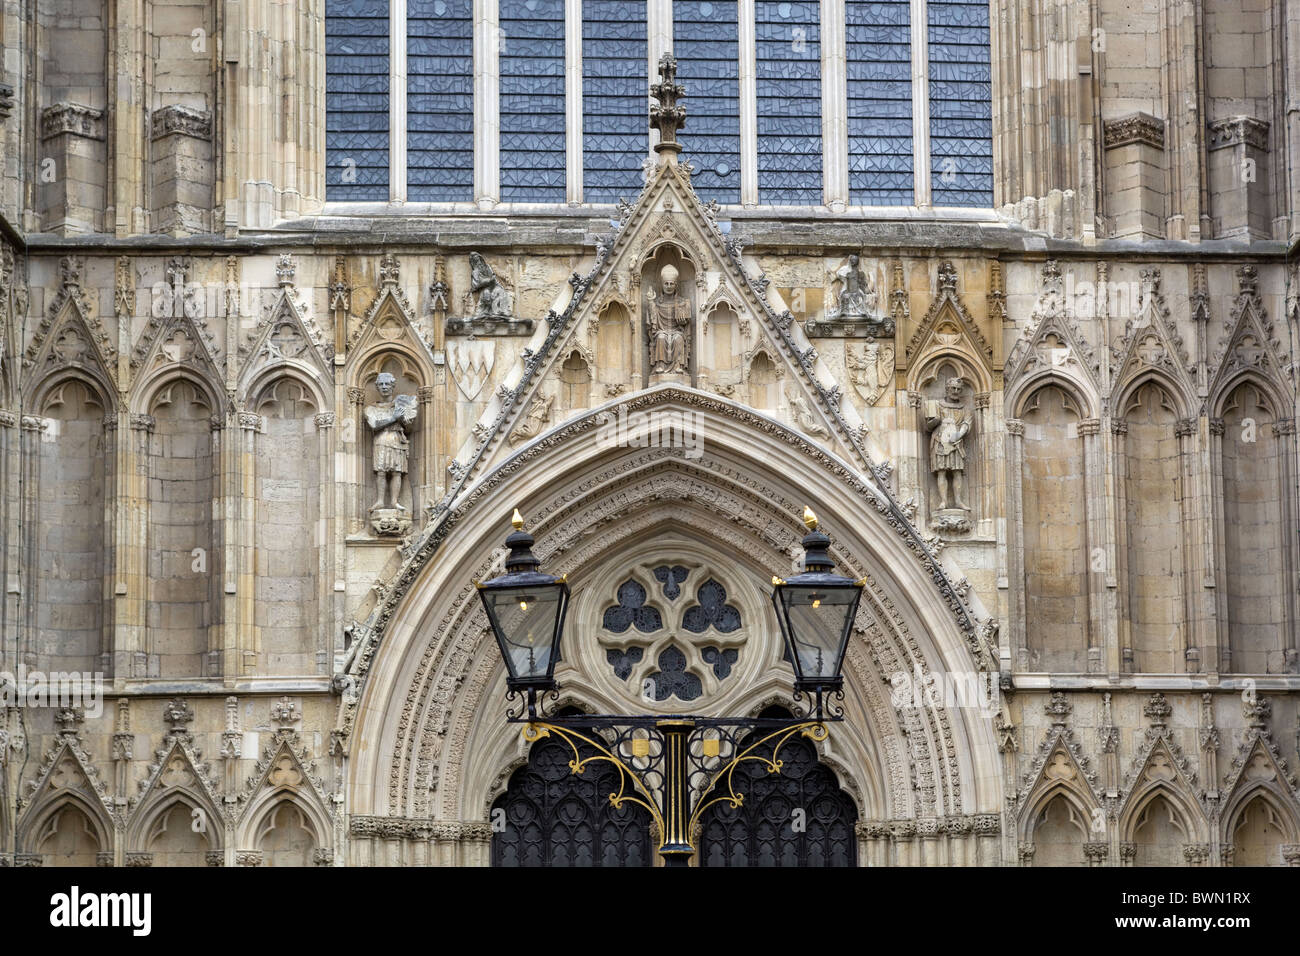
(517, 520)
(809, 519)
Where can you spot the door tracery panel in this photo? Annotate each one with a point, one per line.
(799, 817)
(550, 816)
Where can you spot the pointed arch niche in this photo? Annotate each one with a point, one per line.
(668, 254)
(74, 458)
(930, 383)
(764, 377)
(613, 345)
(1151, 448)
(69, 838)
(412, 378)
(288, 443)
(1060, 830)
(182, 450)
(286, 836)
(1251, 454)
(1159, 834)
(1053, 457)
(1260, 834)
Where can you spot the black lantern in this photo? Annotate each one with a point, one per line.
(816, 611)
(526, 609)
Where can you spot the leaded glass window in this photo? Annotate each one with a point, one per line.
(781, 149)
(671, 578)
(532, 100)
(673, 679)
(356, 100)
(712, 611)
(706, 42)
(879, 52)
(615, 93)
(440, 100)
(788, 73)
(631, 611)
(960, 89)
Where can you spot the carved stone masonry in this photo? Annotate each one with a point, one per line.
(493, 310)
(390, 421)
(949, 422)
(856, 312)
(668, 116)
(1135, 128)
(668, 321)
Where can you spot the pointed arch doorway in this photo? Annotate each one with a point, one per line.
(549, 816)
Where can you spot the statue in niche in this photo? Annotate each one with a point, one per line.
(856, 309)
(493, 298)
(948, 421)
(857, 292)
(390, 420)
(493, 309)
(670, 316)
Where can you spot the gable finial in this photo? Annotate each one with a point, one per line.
(668, 116)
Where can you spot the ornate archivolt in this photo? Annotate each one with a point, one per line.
(1258, 770)
(1160, 769)
(71, 340)
(431, 704)
(67, 777)
(948, 329)
(177, 775)
(1059, 768)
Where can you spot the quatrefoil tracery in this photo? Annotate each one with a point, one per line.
(664, 648)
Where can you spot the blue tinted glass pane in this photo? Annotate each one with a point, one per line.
(439, 100)
(706, 43)
(961, 125)
(356, 100)
(879, 51)
(615, 98)
(788, 71)
(532, 100)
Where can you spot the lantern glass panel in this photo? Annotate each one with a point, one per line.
(817, 621)
(525, 622)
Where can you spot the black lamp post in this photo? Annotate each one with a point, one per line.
(816, 610)
(526, 609)
(675, 766)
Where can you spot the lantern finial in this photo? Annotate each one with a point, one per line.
(809, 519)
(517, 520)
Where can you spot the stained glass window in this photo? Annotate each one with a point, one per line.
(623, 660)
(706, 42)
(532, 100)
(356, 100)
(632, 611)
(440, 100)
(673, 679)
(961, 125)
(671, 578)
(615, 94)
(879, 51)
(712, 611)
(788, 71)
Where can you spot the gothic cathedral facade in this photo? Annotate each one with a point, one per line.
(298, 301)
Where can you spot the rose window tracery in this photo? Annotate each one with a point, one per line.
(670, 633)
